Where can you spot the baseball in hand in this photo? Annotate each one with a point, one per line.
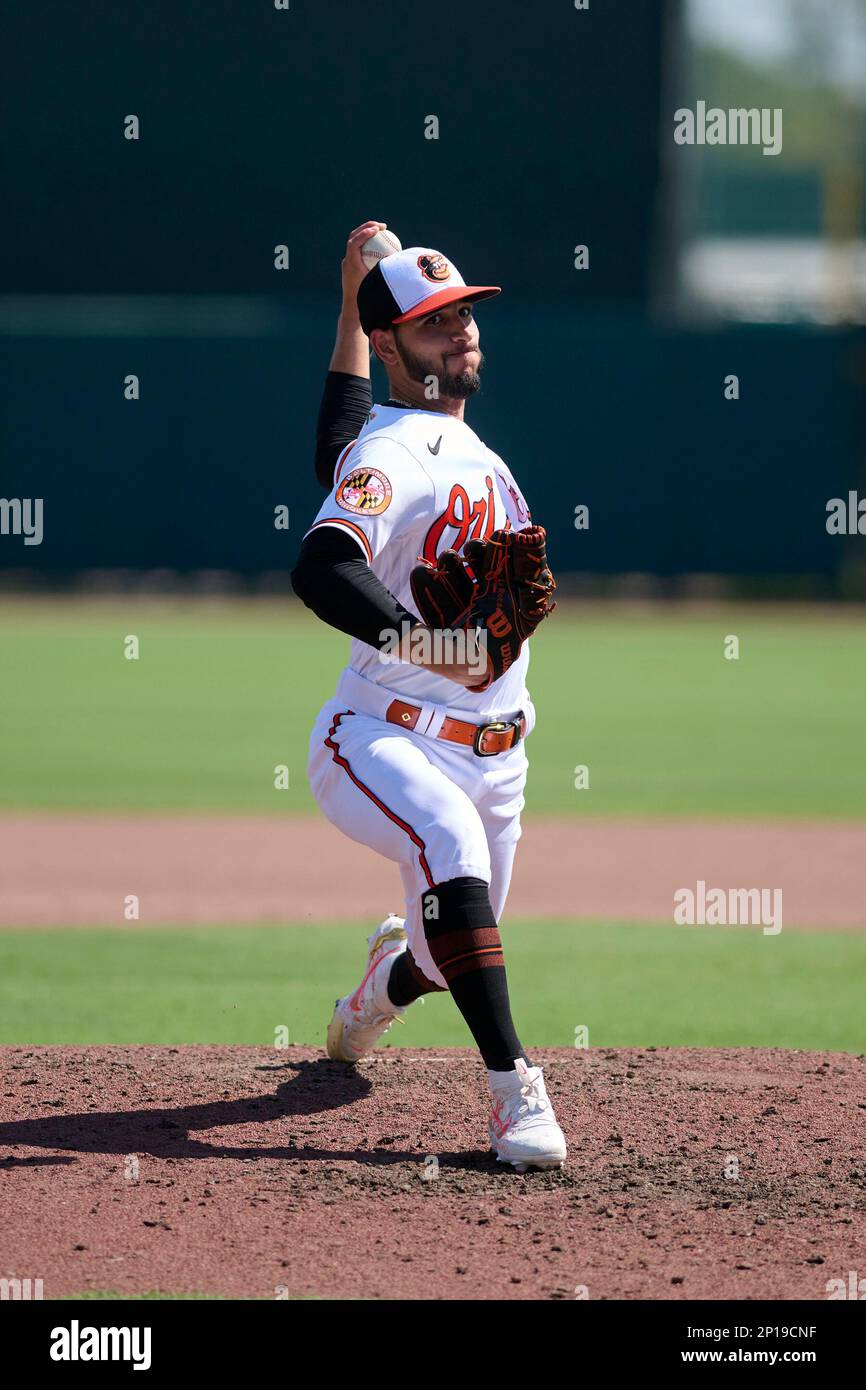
(378, 247)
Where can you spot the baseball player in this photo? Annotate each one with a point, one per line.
(420, 752)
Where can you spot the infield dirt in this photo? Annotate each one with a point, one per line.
(697, 1174)
(75, 869)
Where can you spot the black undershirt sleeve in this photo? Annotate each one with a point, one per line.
(346, 402)
(333, 578)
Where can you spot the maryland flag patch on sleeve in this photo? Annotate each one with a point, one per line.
(365, 491)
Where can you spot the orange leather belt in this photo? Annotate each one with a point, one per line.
(484, 739)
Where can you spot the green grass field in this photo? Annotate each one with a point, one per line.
(630, 985)
(223, 692)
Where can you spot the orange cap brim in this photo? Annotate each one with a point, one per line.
(454, 294)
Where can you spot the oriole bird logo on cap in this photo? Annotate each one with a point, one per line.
(434, 267)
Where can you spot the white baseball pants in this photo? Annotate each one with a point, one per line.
(435, 808)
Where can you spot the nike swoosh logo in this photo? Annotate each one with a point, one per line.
(434, 448)
(499, 1124)
(355, 1001)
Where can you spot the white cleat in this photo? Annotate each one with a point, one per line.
(362, 1017)
(523, 1128)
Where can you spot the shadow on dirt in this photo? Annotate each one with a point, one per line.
(314, 1087)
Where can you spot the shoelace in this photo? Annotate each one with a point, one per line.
(531, 1096)
(375, 1019)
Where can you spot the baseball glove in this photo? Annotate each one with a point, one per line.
(502, 588)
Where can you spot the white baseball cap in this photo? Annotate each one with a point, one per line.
(410, 284)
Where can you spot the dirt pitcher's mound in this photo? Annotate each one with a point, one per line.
(261, 1173)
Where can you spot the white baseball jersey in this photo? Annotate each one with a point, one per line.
(415, 483)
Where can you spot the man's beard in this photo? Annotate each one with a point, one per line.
(455, 385)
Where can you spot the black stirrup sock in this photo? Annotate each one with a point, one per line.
(464, 942)
(406, 982)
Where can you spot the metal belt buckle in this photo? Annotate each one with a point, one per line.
(497, 727)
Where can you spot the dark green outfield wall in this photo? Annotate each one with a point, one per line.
(261, 127)
(604, 412)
